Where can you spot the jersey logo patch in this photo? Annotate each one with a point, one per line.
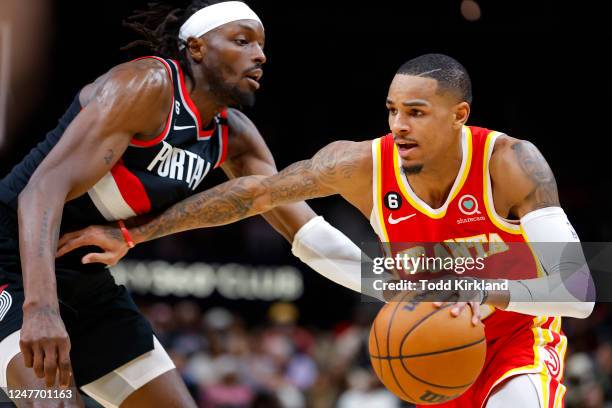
(468, 205)
(183, 127)
(394, 221)
(392, 200)
(6, 300)
(552, 361)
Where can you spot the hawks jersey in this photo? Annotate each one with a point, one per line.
(468, 225)
(150, 176)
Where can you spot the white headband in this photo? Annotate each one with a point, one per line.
(211, 17)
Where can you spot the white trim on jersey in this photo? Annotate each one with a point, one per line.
(454, 188)
(489, 195)
(219, 131)
(6, 300)
(375, 217)
(108, 200)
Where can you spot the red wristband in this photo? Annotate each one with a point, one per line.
(126, 234)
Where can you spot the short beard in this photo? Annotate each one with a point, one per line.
(416, 169)
(228, 94)
(241, 98)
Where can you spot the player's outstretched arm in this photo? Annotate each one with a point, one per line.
(525, 189)
(338, 168)
(249, 155)
(243, 197)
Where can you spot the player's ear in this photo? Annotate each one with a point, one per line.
(197, 48)
(462, 112)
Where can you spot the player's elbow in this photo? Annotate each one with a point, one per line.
(582, 310)
(34, 191)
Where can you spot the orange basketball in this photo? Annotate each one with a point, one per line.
(423, 354)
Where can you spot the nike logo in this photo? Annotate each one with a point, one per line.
(394, 221)
(182, 127)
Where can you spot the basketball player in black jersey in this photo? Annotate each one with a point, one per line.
(138, 139)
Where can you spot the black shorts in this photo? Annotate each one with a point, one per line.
(105, 327)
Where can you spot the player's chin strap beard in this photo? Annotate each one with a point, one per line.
(416, 169)
(211, 17)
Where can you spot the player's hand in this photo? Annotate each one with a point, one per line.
(45, 344)
(107, 237)
(462, 299)
(459, 306)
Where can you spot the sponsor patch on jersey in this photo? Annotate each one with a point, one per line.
(468, 205)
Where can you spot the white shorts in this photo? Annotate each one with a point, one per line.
(519, 391)
(113, 388)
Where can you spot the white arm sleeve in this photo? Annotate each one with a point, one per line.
(567, 290)
(332, 254)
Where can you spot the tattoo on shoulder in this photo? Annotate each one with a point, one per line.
(533, 164)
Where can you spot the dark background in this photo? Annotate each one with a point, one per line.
(536, 70)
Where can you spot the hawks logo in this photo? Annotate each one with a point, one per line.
(552, 361)
(5, 301)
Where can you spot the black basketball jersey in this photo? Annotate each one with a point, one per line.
(150, 176)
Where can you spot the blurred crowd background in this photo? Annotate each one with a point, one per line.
(270, 332)
(282, 363)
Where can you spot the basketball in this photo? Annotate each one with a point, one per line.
(423, 354)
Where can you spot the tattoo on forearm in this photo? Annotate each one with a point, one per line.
(47, 244)
(223, 204)
(44, 230)
(114, 233)
(306, 179)
(108, 157)
(533, 164)
(238, 198)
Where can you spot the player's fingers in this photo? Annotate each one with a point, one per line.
(476, 313)
(69, 245)
(50, 362)
(456, 310)
(107, 258)
(38, 360)
(65, 370)
(67, 237)
(28, 354)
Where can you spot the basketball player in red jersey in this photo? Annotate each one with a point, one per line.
(141, 137)
(431, 179)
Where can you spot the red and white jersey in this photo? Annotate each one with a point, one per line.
(468, 222)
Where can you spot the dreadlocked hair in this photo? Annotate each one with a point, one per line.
(159, 27)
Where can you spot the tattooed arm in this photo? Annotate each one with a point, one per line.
(339, 168)
(248, 154)
(522, 179)
(524, 188)
(131, 100)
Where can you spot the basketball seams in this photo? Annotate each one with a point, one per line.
(431, 352)
(424, 318)
(389, 324)
(419, 322)
(382, 376)
(433, 384)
